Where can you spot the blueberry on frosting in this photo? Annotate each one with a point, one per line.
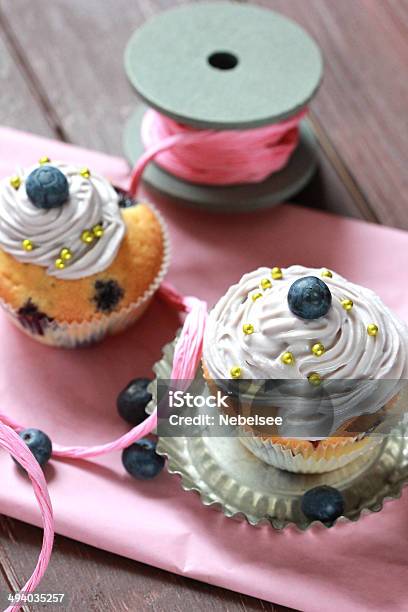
(309, 298)
(47, 187)
(61, 217)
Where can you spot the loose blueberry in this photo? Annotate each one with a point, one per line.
(323, 503)
(309, 298)
(141, 460)
(107, 296)
(39, 444)
(133, 399)
(47, 187)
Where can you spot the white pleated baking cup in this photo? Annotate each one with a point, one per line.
(83, 333)
(276, 455)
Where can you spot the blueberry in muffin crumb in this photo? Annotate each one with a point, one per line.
(107, 296)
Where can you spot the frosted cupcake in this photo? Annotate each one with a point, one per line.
(331, 356)
(74, 264)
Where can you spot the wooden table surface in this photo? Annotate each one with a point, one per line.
(61, 76)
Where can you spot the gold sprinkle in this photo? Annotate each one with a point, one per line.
(347, 304)
(372, 329)
(27, 245)
(85, 172)
(327, 273)
(318, 349)
(87, 237)
(98, 231)
(288, 358)
(15, 181)
(314, 379)
(59, 263)
(44, 160)
(256, 296)
(248, 329)
(235, 372)
(65, 254)
(276, 273)
(266, 283)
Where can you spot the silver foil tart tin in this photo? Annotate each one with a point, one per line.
(230, 478)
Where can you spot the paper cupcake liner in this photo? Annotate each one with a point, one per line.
(341, 451)
(82, 333)
(316, 461)
(328, 459)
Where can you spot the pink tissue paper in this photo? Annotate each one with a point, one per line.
(71, 395)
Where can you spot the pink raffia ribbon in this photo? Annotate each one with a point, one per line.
(12, 443)
(189, 346)
(215, 157)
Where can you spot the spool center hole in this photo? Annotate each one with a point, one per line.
(223, 60)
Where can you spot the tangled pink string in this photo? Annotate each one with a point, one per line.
(12, 443)
(216, 157)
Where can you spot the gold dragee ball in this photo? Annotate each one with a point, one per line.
(15, 182)
(318, 349)
(27, 245)
(85, 172)
(59, 263)
(266, 283)
(98, 231)
(248, 329)
(327, 274)
(87, 237)
(276, 273)
(256, 296)
(235, 372)
(288, 358)
(347, 304)
(314, 379)
(44, 160)
(65, 254)
(372, 329)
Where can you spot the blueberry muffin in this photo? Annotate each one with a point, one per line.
(331, 356)
(78, 259)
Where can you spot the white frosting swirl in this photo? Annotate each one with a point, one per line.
(92, 201)
(350, 353)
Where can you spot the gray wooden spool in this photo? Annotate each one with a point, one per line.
(225, 66)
